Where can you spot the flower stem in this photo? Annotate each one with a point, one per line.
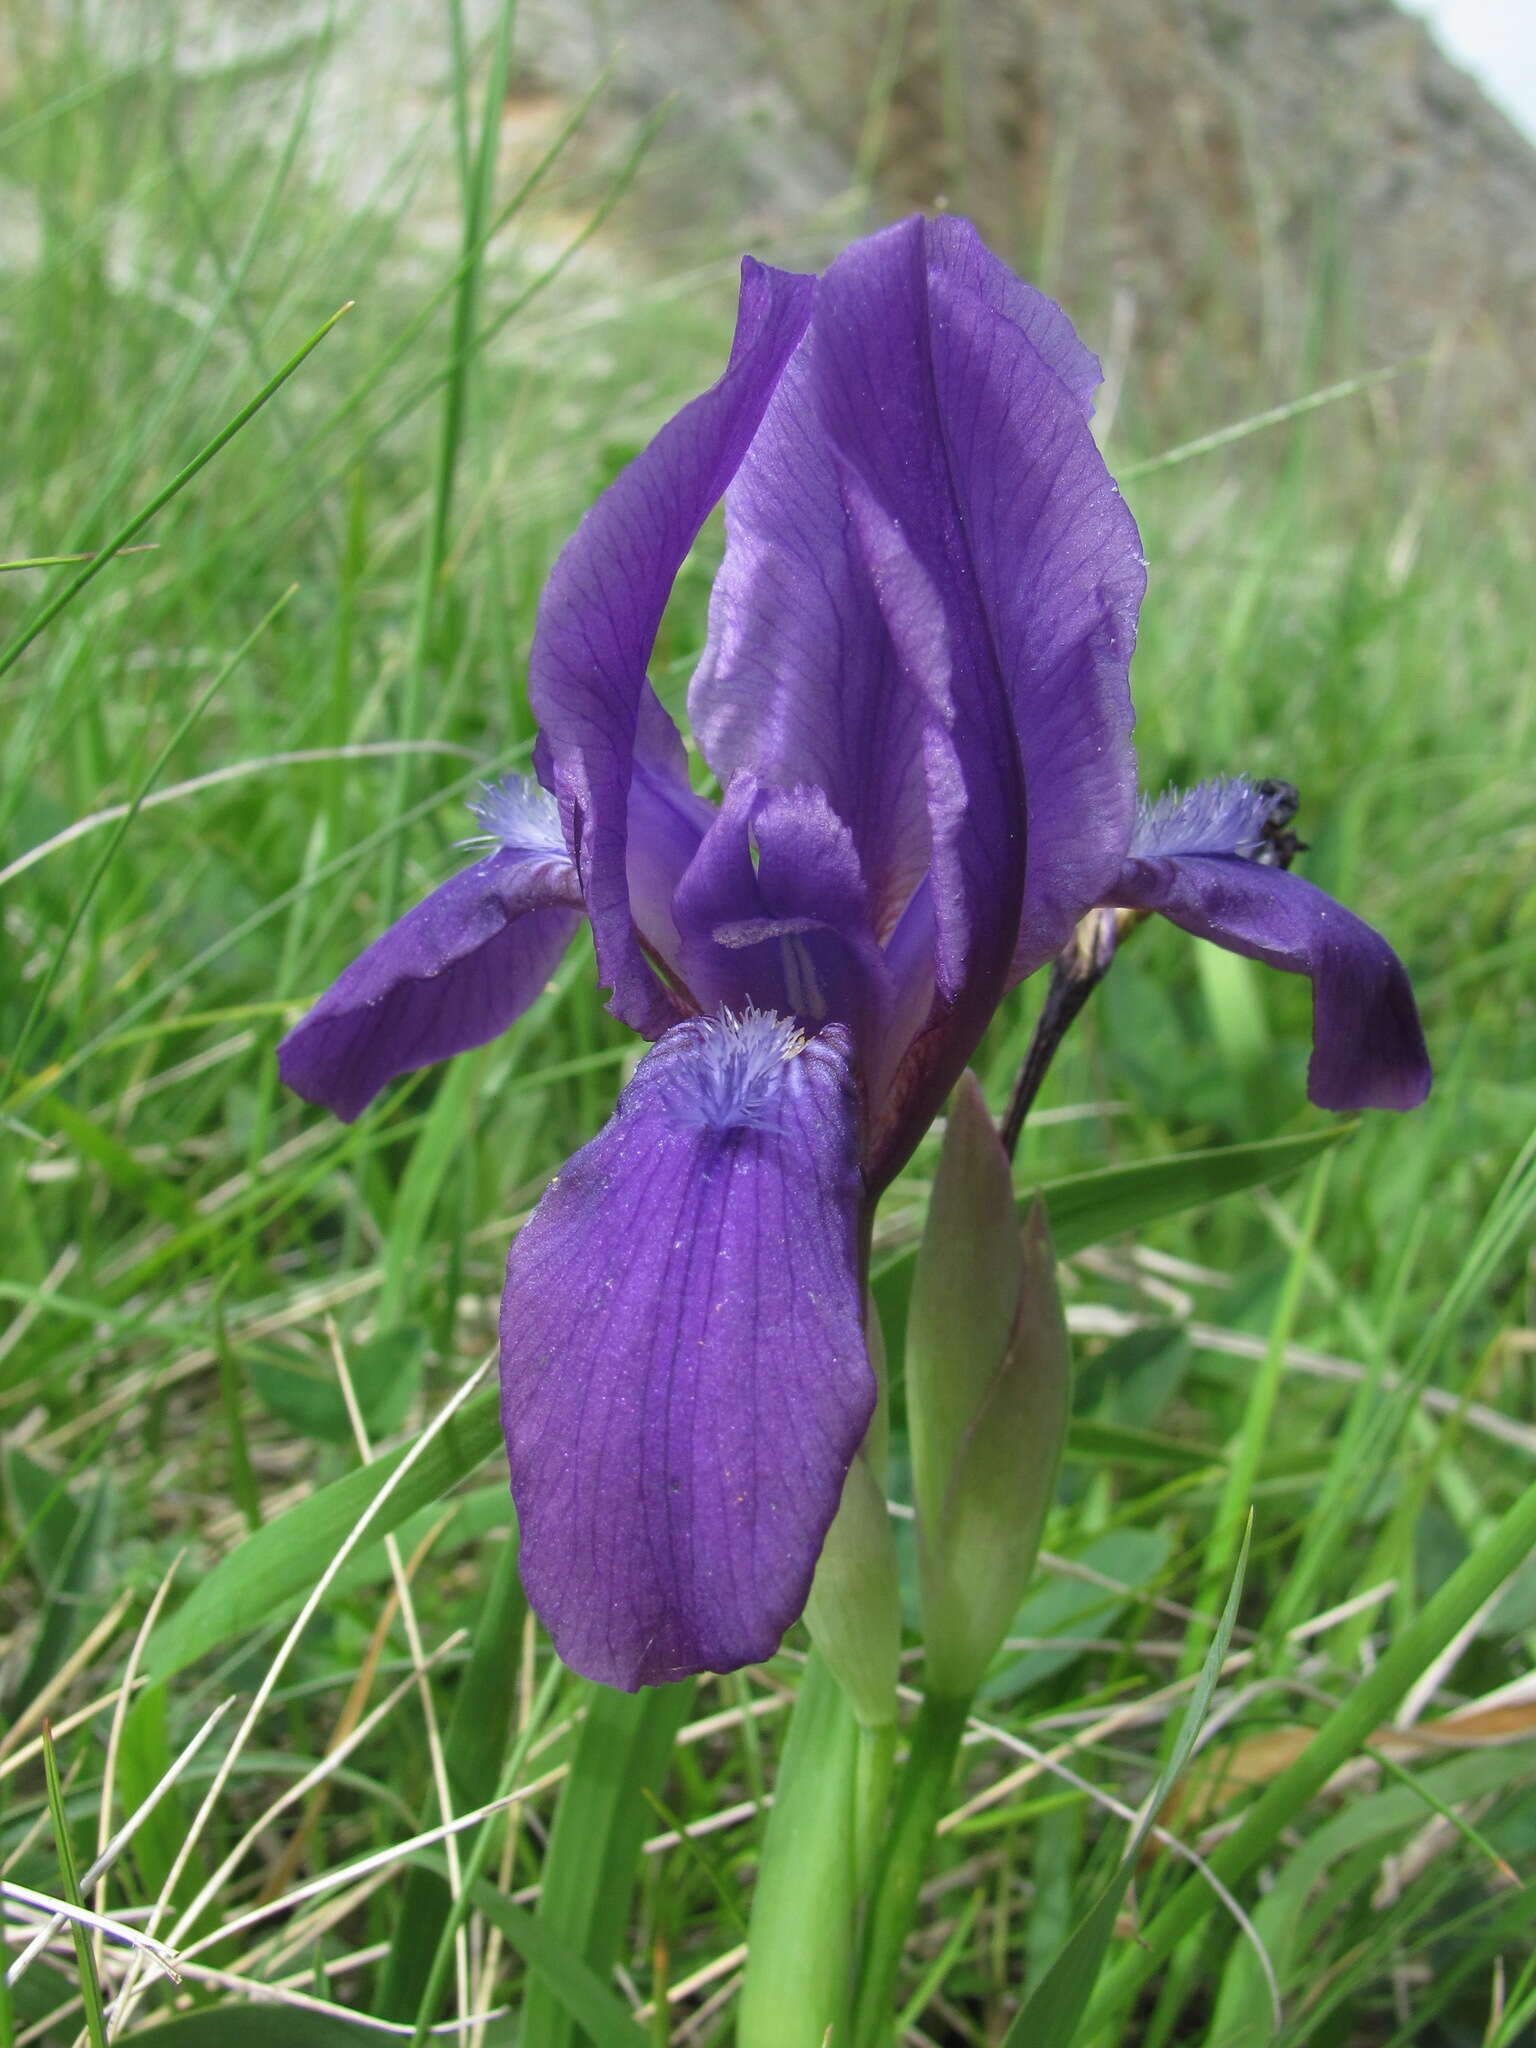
(920, 1797)
(800, 1941)
(871, 1792)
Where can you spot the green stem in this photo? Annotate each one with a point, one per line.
(873, 1767)
(800, 1940)
(920, 1798)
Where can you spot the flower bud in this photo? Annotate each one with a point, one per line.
(854, 1612)
(988, 1397)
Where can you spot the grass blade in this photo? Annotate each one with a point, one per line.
(580, 1995)
(624, 1746)
(125, 824)
(69, 1877)
(1054, 2010)
(472, 1749)
(163, 497)
(1343, 1734)
(272, 1567)
(1277, 415)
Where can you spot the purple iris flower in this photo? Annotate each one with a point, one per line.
(914, 695)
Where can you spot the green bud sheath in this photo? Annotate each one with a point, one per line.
(988, 1396)
(854, 1612)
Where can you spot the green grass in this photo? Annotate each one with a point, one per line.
(189, 1252)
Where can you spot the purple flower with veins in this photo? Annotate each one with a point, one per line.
(914, 694)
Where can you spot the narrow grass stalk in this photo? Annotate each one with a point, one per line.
(90, 1986)
(136, 525)
(1367, 1706)
(477, 181)
(124, 826)
(69, 561)
(474, 1865)
(1227, 1536)
(473, 1749)
(1277, 415)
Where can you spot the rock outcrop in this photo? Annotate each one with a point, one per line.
(1237, 195)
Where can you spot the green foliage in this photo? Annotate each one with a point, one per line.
(989, 1398)
(623, 1750)
(244, 2026)
(226, 754)
(1054, 2009)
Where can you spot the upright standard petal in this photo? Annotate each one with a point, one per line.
(684, 1373)
(1010, 574)
(452, 973)
(1192, 862)
(955, 397)
(603, 604)
(800, 682)
(1059, 564)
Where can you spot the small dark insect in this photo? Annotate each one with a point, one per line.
(1280, 845)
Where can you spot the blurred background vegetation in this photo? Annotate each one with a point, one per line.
(227, 756)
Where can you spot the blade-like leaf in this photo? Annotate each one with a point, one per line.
(1086, 1208)
(278, 1561)
(625, 1745)
(579, 1992)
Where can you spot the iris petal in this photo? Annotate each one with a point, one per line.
(774, 911)
(600, 612)
(800, 682)
(924, 532)
(1367, 1043)
(452, 973)
(666, 824)
(685, 1380)
(956, 397)
(1058, 564)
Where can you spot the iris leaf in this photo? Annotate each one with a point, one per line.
(580, 1993)
(1109, 1201)
(1086, 1208)
(588, 1875)
(275, 1564)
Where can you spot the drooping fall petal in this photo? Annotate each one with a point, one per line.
(1191, 863)
(684, 1374)
(452, 973)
